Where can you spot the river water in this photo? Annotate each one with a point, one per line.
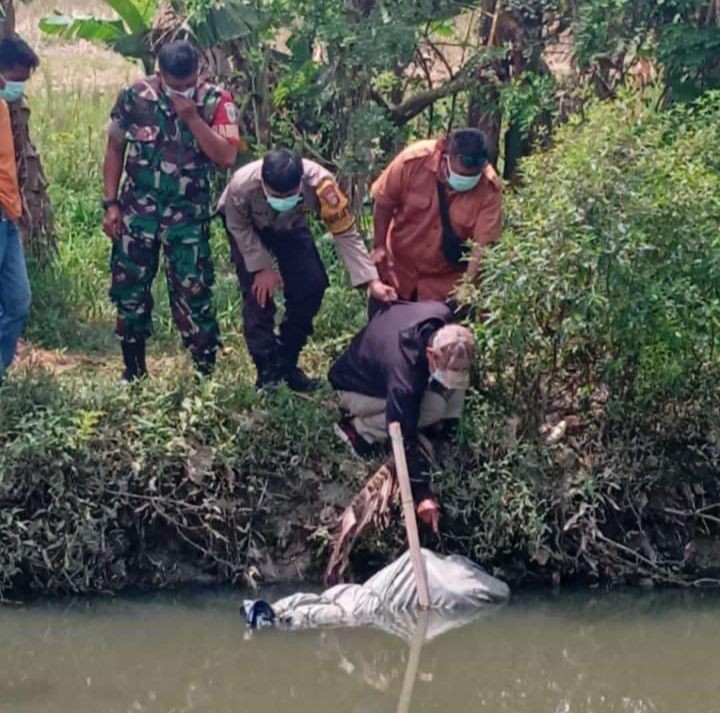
(568, 653)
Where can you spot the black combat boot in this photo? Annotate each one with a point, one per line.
(134, 360)
(269, 374)
(299, 381)
(205, 364)
(294, 376)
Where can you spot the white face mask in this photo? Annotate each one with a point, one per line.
(187, 93)
(450, 379)
(437, 375)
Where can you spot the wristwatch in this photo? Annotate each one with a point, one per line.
(107, 202)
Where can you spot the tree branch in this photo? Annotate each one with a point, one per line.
(408, 109)
(426, 70)
(440, 56)
(493, 29)
(7, 18)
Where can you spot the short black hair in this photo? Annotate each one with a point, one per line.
(179, 59)
(282, 170)
(15, 52)
(470, 145)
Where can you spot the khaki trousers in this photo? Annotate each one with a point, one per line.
(368, 412)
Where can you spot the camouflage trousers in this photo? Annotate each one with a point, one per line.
(188, 270)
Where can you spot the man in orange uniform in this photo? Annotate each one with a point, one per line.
(430, 202)
(17, 62)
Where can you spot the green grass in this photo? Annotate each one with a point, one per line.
(70, 310)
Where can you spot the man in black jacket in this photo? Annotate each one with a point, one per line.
(411, 364)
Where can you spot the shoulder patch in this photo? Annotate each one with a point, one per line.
(334, 207)
(231, 112)
(145, 89)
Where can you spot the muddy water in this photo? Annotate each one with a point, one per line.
(572, 653)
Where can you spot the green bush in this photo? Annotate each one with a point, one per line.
(103, 486)
(607, 283)
(600, 343)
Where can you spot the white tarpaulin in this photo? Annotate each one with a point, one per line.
(458, 589)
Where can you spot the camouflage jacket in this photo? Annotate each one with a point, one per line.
(164, 165)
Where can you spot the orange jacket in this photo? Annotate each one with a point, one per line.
(9, 192)
(409, 186)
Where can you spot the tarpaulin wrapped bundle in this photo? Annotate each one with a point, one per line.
(458, 590)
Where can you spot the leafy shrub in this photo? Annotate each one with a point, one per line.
(600, 343)
(103, 486)
(607, 283)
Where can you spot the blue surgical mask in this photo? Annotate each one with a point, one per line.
(283, 205)
(12, 91)
(461, 183)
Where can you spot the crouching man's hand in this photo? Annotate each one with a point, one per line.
(426, 506)
(428, 512)
(382, 292)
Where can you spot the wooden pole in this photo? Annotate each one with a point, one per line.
(408, 507)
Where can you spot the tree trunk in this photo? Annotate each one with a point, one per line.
(484, 106)
(36, 223)
(7, 20)
(484, 113)
(516, 146)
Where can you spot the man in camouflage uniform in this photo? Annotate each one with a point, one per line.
(166, 131)
(265, 208)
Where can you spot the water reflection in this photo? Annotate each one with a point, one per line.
(434, 623)
(574, 654)
(419, 637)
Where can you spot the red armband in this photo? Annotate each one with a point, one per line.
(225, 121)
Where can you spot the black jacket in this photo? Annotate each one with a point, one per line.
(387, 360)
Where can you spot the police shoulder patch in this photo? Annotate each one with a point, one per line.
(231, 112)
(334, 207)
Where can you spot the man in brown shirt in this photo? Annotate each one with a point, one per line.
(418, 251)
(265, 209)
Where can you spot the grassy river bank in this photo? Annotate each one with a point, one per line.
(589, 451)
